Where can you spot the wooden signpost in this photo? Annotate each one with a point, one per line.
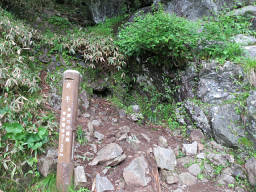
(69, 106)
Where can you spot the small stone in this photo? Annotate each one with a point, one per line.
(226, 179)
(165, 158)
(109, 152)
(46, 165)
(80, 178)
(98, 135)
(162, 142)
(135, 172)
(187, 179)
(145, 137)
(103, 184)
(194, 169)
(190, 149)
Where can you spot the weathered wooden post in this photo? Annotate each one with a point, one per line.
(68, 116)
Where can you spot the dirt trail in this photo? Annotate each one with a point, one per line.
(140, 140)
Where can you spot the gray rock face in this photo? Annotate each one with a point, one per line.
(244, 11)
(216, 85)
(198, 117)
(251, 106)
(187, 82)
(79, 176)
(244, 40)
(250, 167)
(226, 124)
(217, 82)
(250, 51)
(103, 184)
(107, 153)
(135, 173)
(194, 9)
(187, 179)
(102, 9)
(165, 158)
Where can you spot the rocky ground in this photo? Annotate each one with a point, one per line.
(121, 154)
(117, 151)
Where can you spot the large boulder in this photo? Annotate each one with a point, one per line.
(226, 124)
(217, 114)
(102, 9)
(195, 9)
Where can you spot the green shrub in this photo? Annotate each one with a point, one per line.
(24, 124)
(161, 36)
(167, 39)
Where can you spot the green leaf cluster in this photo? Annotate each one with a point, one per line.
(171, 40)
(22, 138)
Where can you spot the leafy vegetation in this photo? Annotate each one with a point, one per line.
(175, 40)
(23, 131)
